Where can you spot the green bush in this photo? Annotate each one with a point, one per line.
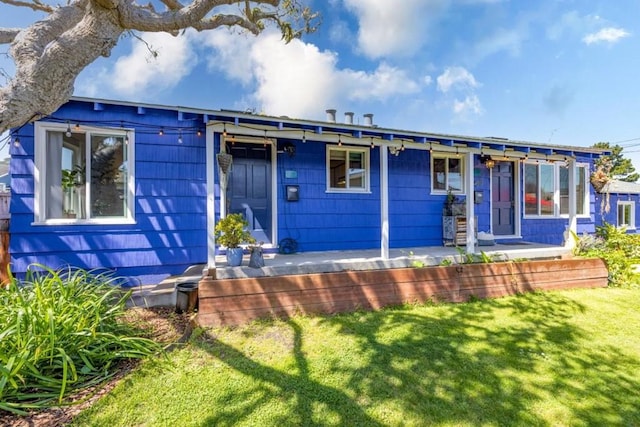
(619, 250)
(61, 331)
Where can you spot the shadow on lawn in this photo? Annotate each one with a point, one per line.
(446, 366)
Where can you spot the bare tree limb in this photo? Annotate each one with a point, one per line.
(50, 53)
(8, 35)
(36, 5)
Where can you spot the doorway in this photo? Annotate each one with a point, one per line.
(503, 199)
(250, 188)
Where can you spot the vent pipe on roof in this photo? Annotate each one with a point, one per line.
(368, 119)
(331, 116)
(348, 118)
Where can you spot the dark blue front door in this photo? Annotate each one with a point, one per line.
(502, 199)
(250, 187)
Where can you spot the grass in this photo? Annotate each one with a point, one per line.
(564, 359)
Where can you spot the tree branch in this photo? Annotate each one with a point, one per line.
(8, 35)
(193, 15)
(36, 5)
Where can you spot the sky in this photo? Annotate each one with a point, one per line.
(549, 71)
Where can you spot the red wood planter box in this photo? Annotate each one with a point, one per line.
(236, 301)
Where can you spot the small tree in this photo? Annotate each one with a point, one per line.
(615, 164)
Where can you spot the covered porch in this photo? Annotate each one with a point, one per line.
(370, 259)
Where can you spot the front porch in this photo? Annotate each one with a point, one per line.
(304, 263)
(370, 259)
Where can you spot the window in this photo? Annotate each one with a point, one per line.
(447, 173)
(543, 181)
(83, 174)
(626, 215)
(348, 169)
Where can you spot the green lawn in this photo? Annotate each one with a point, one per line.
(550, 359)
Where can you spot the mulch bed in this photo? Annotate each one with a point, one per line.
(162, 324)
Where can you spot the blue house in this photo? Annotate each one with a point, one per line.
(138, 188)
(618, 203)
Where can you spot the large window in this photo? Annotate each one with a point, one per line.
(348, 169)
(626, 215)
(83, 174)
(547, 189)
(447, 173)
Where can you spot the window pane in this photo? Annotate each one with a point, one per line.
(564, 191)
(580, 190)
(338, 168)
(546, 190)
(455, 174)
(531, 189)
(108, 176)
(64, 177)
(356, 170)
(439, 174)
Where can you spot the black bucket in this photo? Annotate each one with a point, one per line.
(186, 297)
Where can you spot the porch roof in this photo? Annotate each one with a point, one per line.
(284, 127)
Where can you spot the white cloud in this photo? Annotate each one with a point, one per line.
(468, 106)
(298, 79)
(606, 35)
(455, 78)
(387, 28)
(384, 82)
(501, 40)
(139, 71)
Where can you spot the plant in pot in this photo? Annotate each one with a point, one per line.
(231, 231)
(71, 181)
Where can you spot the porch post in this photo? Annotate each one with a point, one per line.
(211, 205)
(384, 202)
(471, 219)
(573, 217)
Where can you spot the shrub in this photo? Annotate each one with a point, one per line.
(61, 331)
(619, 250)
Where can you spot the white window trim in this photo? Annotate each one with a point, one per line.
(39, 172)
(632, 220)
(587, 192)
(463, 167)
(367, 167)
(556, 190)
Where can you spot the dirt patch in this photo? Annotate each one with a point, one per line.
(161, 324)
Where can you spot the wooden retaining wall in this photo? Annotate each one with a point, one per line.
(237, 301)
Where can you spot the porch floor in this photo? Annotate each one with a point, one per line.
(334, 261)
(164, 293)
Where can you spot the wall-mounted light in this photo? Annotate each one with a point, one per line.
(199, 132)
(339, 140)
(68, 132)
(304, 136)
(16, 141)
(180, 140)
(487, 161)
(161, 132)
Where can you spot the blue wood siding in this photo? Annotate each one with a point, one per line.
(169, 233)
(170, 228)
(611, 217)
(323, 220)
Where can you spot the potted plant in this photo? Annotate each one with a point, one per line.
(231, 231)
(71, 180)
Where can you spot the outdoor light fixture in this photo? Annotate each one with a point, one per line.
(304, 136)
(68, 132)
(180, 141)
(487, 161)
(161, 132)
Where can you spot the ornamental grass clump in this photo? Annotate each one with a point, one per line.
(60, 332)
